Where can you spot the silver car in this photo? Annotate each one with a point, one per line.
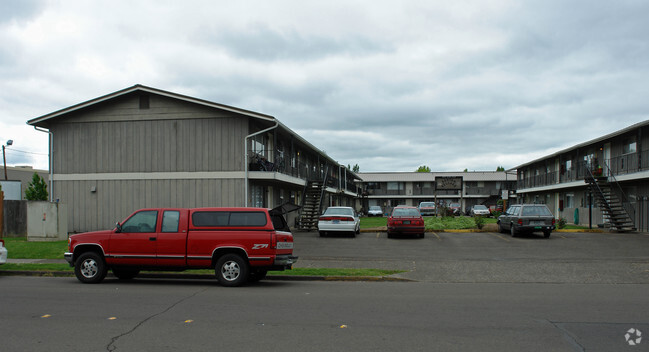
(529, 218)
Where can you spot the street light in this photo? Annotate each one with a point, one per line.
(4, 159)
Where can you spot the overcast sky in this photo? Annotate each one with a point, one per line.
(387, 85)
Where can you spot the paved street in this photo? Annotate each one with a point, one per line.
(61, 314)
(487, 257)
(473, 292)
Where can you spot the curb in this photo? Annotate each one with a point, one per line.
(42, 273)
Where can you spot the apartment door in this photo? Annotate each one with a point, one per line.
(607, 158)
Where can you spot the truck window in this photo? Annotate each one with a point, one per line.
(170, 220)
(143, 221)
(248, 219)
(226, 218)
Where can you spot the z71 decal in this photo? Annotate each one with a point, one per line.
(260, 246)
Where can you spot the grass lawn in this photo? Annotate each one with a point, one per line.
(431, 222)
(19, 248)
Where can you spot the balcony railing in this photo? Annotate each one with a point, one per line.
(301, 170)
(619, 165)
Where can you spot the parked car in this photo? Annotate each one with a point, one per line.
(528, 218)
(3, 252)
(427, 208)
(405, 220)
(455, 207)
(339, 220)
(375, 210)
(480, 210)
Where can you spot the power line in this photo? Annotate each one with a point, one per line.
(10, 150)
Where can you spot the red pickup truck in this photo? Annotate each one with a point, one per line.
(241, 244)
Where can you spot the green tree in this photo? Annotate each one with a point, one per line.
(423, 168)
(356, 168)
(37, 189)
(500, 168)
(466, 170)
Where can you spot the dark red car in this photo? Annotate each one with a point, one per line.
(405, 220)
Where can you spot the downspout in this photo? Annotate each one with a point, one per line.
(51, 163)
(245, 156)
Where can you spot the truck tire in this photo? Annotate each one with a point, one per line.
(90, 268)
(546, 234)
(231, 270)
(125, 274)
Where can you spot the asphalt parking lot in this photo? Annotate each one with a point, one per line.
(487, 257)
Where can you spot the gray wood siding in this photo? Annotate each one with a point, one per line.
(171, 136)
(115, 200)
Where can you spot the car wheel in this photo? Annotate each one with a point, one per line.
(231, 270)
(125, 274)
(546, 234)
(353, 234)
(90, 268)
(390, 235)
(422, 235)
(322, 233)
(500, 228)
(257, 275)
(512, 230)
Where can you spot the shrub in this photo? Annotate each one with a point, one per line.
(562, 223)
(479, 222)
(496, 213)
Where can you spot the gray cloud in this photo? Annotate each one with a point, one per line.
(451, 85)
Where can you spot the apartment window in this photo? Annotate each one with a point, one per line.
(395, 186)
(629, 147)
(570, 200)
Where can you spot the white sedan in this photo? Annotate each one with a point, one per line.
(339, 220)
(480, 210)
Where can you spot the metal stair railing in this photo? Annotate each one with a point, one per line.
(626, 203)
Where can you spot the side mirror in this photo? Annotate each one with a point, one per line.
(118, 227)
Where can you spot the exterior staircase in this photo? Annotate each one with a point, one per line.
(311, 205)
(612, 202)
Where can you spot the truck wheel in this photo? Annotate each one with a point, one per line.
(90, 268)
(546, 234)
(231, 270)
(125, 274)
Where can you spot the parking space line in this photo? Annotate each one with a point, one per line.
(436, 235)
(499, 236)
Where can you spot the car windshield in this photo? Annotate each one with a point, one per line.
(339, 211)
(455, 205)
(375, 207)
(427, 205)
(536, 211)
(405, 212)
(479, 207)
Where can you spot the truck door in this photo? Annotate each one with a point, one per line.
(136, 243)
(172, 238)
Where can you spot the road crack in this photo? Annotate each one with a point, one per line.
(111, 346)
(568, 336)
